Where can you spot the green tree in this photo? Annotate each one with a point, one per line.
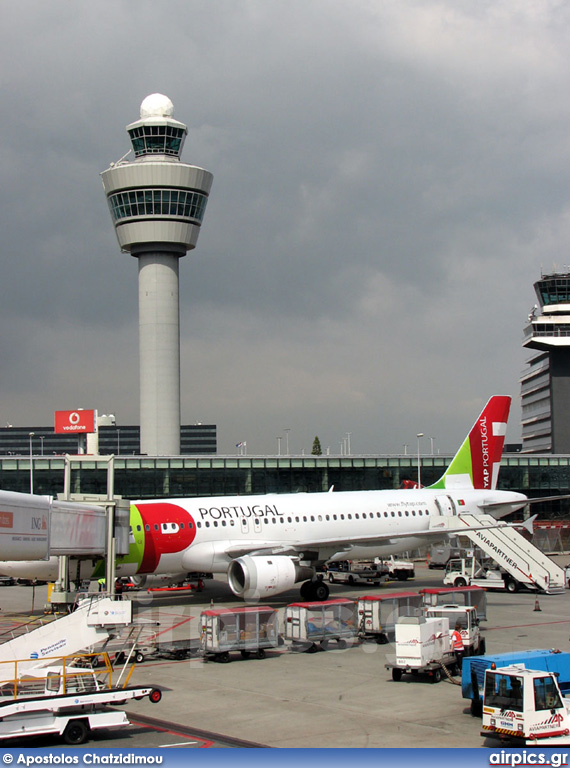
(317, 450)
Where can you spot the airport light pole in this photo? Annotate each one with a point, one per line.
(287, 441)
(431, 440)
(348, 434)
(31, 434)
(419, 436)
(279, 446)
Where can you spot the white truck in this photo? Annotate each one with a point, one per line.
(525, 707)
(469, 572)
(466, 617)
(67, 698)
(401, 570)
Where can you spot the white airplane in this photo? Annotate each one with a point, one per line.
(267, 544)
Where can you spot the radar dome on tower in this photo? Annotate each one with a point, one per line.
(156, 105)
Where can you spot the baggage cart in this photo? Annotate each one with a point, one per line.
(316, 624)
(378, 614)
(475, 596)
(248, 629)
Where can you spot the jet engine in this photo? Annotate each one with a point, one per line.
(254, 577)
(148, 581)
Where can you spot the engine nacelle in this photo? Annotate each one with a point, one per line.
(148, 581)
(255, 577)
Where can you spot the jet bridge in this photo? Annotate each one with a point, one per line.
(513, 553)
(35, 527)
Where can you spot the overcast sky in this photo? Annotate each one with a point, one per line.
(390, 178)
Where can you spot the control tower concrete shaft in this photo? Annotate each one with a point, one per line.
(157, 205)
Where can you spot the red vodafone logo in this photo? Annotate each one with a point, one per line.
(74, 421)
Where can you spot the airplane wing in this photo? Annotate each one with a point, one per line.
(299, 547)
(445, 526)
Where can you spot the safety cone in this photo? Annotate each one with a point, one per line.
(537, 605)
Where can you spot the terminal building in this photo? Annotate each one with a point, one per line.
(147, 477)
(545, 383)
(120, 440)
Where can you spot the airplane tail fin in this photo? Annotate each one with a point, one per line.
(476, 464)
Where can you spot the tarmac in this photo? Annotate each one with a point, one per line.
(330, 699)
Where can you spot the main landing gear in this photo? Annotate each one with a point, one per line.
(314, 590)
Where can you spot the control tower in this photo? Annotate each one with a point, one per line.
(545, 383)
(157, 204)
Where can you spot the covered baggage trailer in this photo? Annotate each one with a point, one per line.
(314, 624)
(378, 614)
(423, 646)
(476, 596)
(248, 629)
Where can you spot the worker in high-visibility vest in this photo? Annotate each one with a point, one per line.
(457, 642)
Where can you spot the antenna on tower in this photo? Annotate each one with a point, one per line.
(112, 165)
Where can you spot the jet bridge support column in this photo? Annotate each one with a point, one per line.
(116, 524)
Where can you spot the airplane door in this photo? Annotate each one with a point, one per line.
(445, 505)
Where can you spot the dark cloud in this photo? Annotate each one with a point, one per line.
(390, 178)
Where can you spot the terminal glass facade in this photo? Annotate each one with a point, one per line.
(145, 477)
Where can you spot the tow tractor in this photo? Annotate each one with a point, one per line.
(525, 707)
(66, 697)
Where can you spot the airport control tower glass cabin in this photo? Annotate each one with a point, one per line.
(157, 205)
(545, 383)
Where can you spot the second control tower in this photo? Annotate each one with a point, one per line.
(157, 204)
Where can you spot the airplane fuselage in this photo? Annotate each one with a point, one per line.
(205, 534)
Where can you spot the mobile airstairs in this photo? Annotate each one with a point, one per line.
(527, 564)
(96, 619)
(48, 687)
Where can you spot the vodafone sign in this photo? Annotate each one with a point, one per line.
(74, 421)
